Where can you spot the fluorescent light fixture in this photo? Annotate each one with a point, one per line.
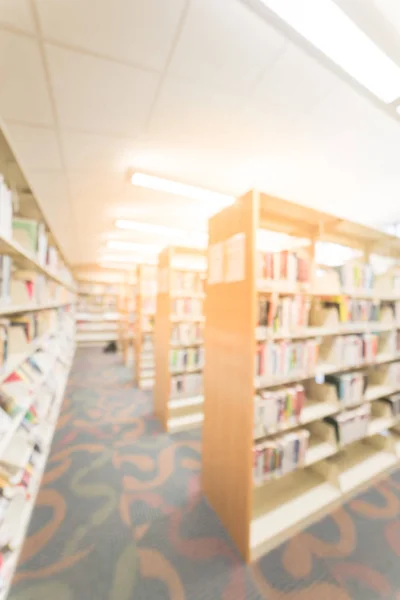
(120, 245)
(181, 189)
(127, 259)
(191, 239)
(331, 31)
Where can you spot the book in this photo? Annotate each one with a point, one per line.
(6, 209)
(276, 457)
(274, 410)
(350, 387)
(25, 233)
(351, 425)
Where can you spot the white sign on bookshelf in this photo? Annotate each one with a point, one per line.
(216, 263)
(235, 258)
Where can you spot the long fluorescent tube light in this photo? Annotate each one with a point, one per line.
(331, 31)
(120, 245)
(181, 189)
(133, 260)
(198, 239)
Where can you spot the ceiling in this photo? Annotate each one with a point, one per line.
(205, 92)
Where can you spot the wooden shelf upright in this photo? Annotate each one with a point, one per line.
(146, 292)
(325, 469)
(179, 357)
(126, 309)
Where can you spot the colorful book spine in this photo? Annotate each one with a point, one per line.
(277, 457)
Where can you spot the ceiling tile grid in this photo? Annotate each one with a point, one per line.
(202, 91)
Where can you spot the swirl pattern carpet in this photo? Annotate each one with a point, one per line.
(120, 516)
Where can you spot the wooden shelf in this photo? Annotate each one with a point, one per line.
(174, 413)
(146, 280)
(261, 517)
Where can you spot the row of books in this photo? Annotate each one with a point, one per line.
(27, 287)
(284, 358)
(350, 387)
(351, 425)
(187, 334)
(356, 277)
(17, 332)
(187, 282)
(348, 350)
(6, 209)
(285, 265)
(282, 455)
(32, 236)
(186, 359)
(283, 314)
(188, 384)
(187, 307)
(274, 410)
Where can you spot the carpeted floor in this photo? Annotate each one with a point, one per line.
(120, 516)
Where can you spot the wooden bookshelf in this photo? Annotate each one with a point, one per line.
(178, 392)
(266, 512)
(127, 311)
(98, 315)
(146, 292)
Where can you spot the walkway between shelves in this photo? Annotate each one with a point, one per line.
(120, 516)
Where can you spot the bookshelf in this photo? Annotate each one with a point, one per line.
(179, 324)
(37, 339)
(146, 294)
(98, 314)
(302, 369)
(127, 312)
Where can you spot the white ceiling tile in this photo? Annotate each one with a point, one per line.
(137, 31)
(188, 110)
(225, 44)
(100, 96)
(295, 80)
(92, 152)
(17, 13)
(35, 147)
(23, 90)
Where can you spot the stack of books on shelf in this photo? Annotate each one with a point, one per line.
(277, 457)
(349, 387)
(186, 385)
(187, 282)
(6, 210)
(286, 359)
(290, 266)
(186, 359)
(351, 425)
(278, 409)
(187, 308)
(97, 314)
(285, 314)
(356, 278)
(187, 334)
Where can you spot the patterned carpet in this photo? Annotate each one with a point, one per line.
(120, 516)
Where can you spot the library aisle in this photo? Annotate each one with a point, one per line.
(120, 516)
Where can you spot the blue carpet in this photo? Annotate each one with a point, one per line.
(120, 516)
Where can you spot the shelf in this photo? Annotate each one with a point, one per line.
(34, 486)
(186, 402)
(187, 294)
(96, 337)
(360, 463)
(185, 346)
(185, 422)
(284, 287)
(312, 411)
(186, 319)
(19, 308)
(286, 507)
(322, 370)
(23, 260)
(187, 371)
(309, 332)
(319, 450)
